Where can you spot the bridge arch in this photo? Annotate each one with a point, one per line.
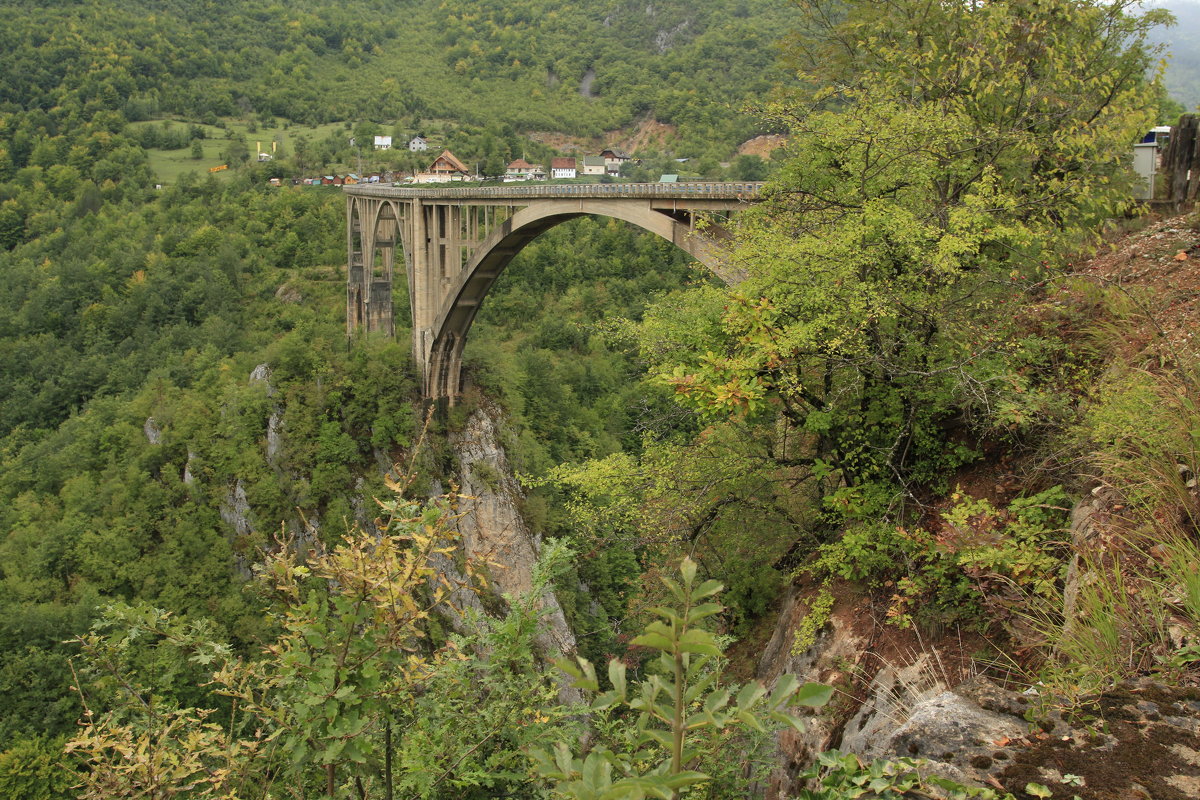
(455, 241)
(465, 296)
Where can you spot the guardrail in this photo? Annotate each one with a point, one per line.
(716, 189)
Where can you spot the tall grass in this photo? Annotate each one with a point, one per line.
(1137, 607)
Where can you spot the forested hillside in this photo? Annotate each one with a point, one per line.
(575, 68)
(1182, 76)
(227, 565)
(133, 460)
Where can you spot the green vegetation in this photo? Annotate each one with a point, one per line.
(333, 694)
(189, 443)
(684, 715)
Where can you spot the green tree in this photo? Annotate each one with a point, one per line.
(350, 656)
(32, 769)
(939, 157)
(237, 151)
(678, 705)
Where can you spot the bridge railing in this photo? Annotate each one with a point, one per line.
(714, 189)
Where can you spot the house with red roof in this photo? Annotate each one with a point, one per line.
(563, 167)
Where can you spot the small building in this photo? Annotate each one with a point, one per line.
(522, 170)
(1147, 159)
(1158, 135)
(275, 182)
(562, 168)
(593, 165)
(418, 144)
(264, 157)
(517, 170)
(613, 159)
(445, 168)
(383, 143)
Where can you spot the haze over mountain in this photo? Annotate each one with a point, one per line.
(1182, 76)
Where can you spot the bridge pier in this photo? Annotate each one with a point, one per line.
(454, 242)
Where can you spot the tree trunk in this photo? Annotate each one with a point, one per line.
(1179, 159)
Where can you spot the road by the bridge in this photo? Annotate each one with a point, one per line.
(723, 190)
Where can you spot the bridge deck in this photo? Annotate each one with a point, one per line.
(715, 190)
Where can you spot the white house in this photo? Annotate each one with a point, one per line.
(522, 170)
(418, 144)
(562, 168)
(383, 143)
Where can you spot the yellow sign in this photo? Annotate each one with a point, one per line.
(218, 169)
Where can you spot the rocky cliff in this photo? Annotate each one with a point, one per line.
(493, 530)
(900, 695)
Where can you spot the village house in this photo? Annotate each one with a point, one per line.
(383, 143)
(418, 144)
(517, 170)
(613, 159)
(562, 168)
(445, 168)
(522, 170)
(593, 165)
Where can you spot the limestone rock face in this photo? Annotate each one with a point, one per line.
(1087, 521)
(493, 529)
(235, 512)
(953, 734)
(275, 437)
(891, 697)
(235, 509)
(903, 697)
(262, 374)
(189, 475)
(837, 645)
(152, 431)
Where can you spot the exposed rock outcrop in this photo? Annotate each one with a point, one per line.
(152, 431)
(262, 374)
(493, 530)
(275, 437)
(189, 474)
(903, 697)
(1087, 520)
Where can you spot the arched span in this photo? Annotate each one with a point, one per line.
(463, 300)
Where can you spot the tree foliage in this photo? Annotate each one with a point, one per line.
(328, 702)
(684, 716)
(940, 157)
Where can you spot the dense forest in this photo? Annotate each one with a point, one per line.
(224, 525)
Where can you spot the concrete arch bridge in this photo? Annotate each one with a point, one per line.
(454, 242)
